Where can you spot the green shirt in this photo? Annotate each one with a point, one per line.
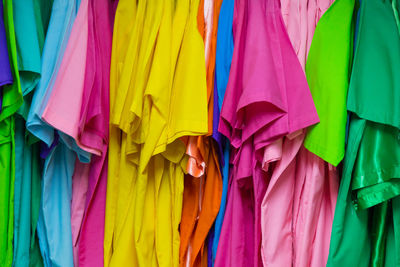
(365, 229)
(327, 71)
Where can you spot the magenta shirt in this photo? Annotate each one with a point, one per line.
(298, 207)
(267, 98)
(93, 129)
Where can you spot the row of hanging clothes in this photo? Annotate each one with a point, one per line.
(199, 133)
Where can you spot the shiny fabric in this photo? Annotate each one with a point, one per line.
(376, 168)
(368, 200)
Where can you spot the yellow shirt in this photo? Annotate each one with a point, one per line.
(123, 26)
(159, 94)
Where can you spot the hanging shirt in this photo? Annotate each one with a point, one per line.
(11, 95)
(29, 56)
(252, 126)
(224, 51)
(120, 170)
(94, 129)
(194, 228)
(369, 177)
(185, 115)
(28, 169)
(277, 115)
(67, 93)
(12, 99)
(299, 177)
(62, 18)
(6, 75)
(128, 114)
(326, 139)
(26, 199)
(78, 203)
(59, 163)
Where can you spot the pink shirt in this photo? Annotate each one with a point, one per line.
(93, 128)
(64, 106)
(298, 207)
(301, 18)
(79, 107)
(267, 98)
(78, 203)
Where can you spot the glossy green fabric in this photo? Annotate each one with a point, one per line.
(379, 230)
(12, 99)
(30, 20)
(350, 240)
(392, 257)
(376, 175)
(365, 229)
(327, 68)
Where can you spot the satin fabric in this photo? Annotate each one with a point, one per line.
(367, 204)
(375, 170)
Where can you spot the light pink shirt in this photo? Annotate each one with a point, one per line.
(298, 207)
(64, 106)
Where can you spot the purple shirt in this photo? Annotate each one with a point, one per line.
(5, 70)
